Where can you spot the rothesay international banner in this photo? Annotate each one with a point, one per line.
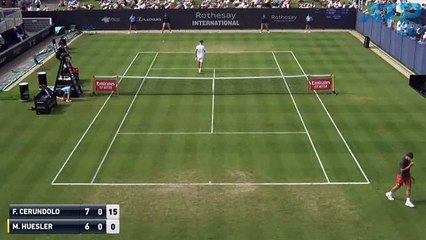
(229, 18)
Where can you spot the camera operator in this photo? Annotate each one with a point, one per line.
(62, 54)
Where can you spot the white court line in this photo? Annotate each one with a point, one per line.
(123, 120)
(216, 184)
(301, 119)
(212, 121)
(91, 123)
(209, 133)
(227, 68)
(222, 52)
(334, 123)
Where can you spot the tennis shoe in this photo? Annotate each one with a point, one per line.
(409, 204)
(389, 196)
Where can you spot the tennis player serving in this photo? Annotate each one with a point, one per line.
(403, 177)
(200, 51)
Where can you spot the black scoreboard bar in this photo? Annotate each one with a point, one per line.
(63, 226)
(57, 211)
(64, 219)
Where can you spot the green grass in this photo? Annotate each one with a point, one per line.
(378, 115)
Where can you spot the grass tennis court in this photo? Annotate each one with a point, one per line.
(241, 151)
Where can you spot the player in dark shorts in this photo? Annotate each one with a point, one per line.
(264, 23)
(403, 177)
(166, 23)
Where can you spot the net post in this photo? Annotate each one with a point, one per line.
(93, 85)
(333, 84)
(309, 83)
(117, 85)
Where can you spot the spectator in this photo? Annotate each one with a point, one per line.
(286, 4)
(37, 4)
(3, 44)
(54, 45)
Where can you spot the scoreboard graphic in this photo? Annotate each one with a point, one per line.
(64, 219)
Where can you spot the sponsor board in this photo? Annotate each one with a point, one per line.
(215, 19)
(321, 84)
(110, 20)
(283, 18)
(105, 85)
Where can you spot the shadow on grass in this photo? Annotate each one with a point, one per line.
(420, 202)
(60, 109)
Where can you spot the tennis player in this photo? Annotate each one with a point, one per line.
(403, 177)
(200, 51)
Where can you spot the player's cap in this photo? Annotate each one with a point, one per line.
(410, 155)
(201, 41)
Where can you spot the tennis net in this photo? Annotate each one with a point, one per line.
(239, 85)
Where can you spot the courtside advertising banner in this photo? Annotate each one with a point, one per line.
(105, 85)
(229, 18)
(321, 84)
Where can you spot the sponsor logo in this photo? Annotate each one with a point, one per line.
(148, 19)
(110, 19)
(105, 85)
(283, 18)
(215, 19)
(321, 84)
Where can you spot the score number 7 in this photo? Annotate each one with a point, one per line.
(87, 210)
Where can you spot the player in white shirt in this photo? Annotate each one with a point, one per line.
(200, 51)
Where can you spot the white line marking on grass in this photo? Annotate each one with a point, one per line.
(227, 68)
(199, 78)
(221, 52)
(123, 120)
(334, 123)
(91, 123)
(212, 121)
(216, 184)
(301, 118)
(209, 133)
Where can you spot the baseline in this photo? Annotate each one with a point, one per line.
(209, 133)
(216, 184)
(215, 52)
(224, 68)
